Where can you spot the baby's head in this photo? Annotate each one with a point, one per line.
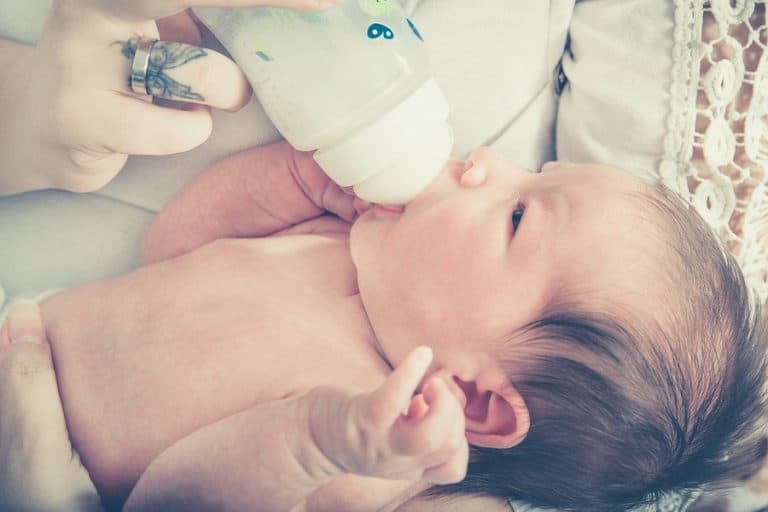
(602, 338)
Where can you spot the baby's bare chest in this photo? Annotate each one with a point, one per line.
(188, 342)
(286, 312)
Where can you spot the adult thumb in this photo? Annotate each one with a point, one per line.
(40, 471)
(27, 377)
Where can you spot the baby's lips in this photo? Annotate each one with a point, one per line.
(388, 208)
(387, 212)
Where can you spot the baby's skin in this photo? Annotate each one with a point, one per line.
(214, 328)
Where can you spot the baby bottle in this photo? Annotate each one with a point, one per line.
(351, 82)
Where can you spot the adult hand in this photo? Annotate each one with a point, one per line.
(39, 469)
(72, 112)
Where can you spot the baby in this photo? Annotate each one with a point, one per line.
(596, 335)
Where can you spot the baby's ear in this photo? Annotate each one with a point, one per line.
(496, 414)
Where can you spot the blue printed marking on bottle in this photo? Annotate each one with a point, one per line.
(415, 30)
(263, 56)
(376, 30)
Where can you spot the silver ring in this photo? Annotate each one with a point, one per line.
(140, 65)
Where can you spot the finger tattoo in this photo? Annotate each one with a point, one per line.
(166, 55)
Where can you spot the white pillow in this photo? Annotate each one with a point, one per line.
(614, 109)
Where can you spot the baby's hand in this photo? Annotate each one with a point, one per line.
(373, 435)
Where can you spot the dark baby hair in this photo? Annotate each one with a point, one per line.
(625, 409)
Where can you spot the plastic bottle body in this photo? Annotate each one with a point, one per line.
(326, 78)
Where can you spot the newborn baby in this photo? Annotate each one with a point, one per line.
(598, 338)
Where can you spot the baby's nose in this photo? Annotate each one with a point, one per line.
(495, 162)
(474, 175)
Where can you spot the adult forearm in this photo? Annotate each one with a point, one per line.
(261, 459)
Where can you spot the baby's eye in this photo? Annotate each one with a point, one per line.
(517, 217)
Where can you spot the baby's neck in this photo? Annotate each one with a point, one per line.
(364, 330)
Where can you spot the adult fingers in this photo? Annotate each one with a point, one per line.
(39, 471)
(23, 324)
(146, 129)
(29, 395)
(141, 10)
(184, 72)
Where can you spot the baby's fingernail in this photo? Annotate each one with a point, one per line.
(424, 354)
(24, 324)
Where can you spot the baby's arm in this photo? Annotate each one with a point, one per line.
(274, 455)
(254, 193)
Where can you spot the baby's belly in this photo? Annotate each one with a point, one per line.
(132, 384)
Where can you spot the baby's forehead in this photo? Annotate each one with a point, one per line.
(623, 254)
(608, 175)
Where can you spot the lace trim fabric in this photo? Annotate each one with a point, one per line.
(716, 149)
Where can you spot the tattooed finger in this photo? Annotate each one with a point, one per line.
(183, 72)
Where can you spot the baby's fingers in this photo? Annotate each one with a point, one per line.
(439, 433)
(386, 404)
(452, 471)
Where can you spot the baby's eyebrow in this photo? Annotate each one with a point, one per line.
(557, 208)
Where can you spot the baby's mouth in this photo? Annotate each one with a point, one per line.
(397, 208)
(387, 210)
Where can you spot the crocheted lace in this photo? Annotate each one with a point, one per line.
(716, 149)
